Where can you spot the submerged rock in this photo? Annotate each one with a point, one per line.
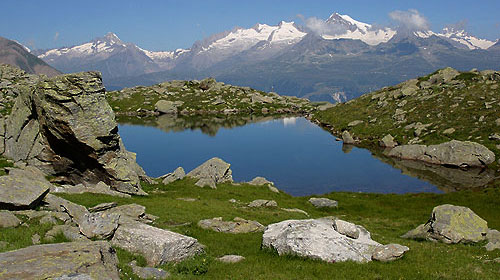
(317, 239)
(453, 153)
(65, 127)
(451, 224)
(96, 259)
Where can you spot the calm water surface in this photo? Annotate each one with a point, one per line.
(298, 156)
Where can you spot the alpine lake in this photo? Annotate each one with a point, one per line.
(298, 156)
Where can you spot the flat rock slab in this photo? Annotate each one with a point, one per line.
(389, 253)
(451, 224)
(157, 245)
(317, 239)
(238, 225)
(23, 189)
(263, 203)
(321, 202)
(96, 259)
(7, 220)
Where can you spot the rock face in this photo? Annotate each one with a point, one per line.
(454, 153)
(322, 202)
(317, 239)
(212, 172)
(7, 220)
(389, 253)
(158, 246)
(65, 127)
(451, 224)
(22, 188)
(238, 225)
(96, 259)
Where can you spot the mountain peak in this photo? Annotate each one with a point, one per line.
(111, 38)
(348, 22)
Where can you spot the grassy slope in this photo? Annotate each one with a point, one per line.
(386, 216)
(460, 104)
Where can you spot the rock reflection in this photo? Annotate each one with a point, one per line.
(445, 178)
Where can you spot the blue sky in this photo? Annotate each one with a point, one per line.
(171, 24)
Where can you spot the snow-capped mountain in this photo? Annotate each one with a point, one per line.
(345, 27)
(107, 54)
(462, 37)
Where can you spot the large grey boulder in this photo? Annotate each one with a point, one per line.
(96, 259)
(451, 224)
(237, 225)
(99, 225)
(77, 213)
(65, 127)
(158, 246)
(23, 188)
(7, 220)
(454, 153)
(317, 239)
(212, 172)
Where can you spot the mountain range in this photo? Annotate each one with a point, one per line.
(340, 60)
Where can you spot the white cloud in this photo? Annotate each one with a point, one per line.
(411, 20)
(320, 27)
(56, 36)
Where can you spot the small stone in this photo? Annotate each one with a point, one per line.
(493, 237)
(148, 272)
(494, 137)
(347, 138)
(232, 200)
(231, 259)
(323, 202)
(449, 131)
(388, 141)
(263, 203)
(188, 199)
(7, 220)
(35, 238)
(295, 210)
(389, 253)
(355, 123)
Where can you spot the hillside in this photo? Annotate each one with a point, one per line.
(433, 109)
(14, 54)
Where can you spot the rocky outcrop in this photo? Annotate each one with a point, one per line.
(451, 224)
(212, 172)
(238, 225)
(452, 153)
(158, 246)
(23, 188)
(321, 202)
(317, 239)
(65, 127)
(96, 259)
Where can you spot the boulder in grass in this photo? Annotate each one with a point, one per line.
(389, 253)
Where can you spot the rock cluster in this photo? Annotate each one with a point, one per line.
(65, 127)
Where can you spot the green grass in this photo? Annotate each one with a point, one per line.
(386, 216)
(469, 104)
